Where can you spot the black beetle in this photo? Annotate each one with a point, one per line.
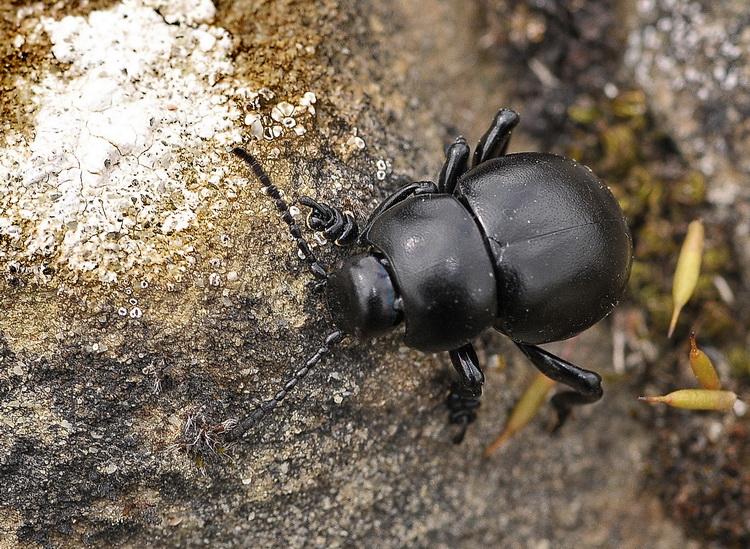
(531, 244)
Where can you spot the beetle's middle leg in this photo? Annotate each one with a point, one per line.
(495, 140)
(463, 400)
(586, 385)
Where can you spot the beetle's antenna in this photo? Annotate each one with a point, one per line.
(316, 267)
(267, 407)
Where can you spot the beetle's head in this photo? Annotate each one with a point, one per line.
(362, 298)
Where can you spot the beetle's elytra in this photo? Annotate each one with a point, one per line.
(531, 244)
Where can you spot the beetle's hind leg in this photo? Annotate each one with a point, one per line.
(495, 141)
(586, 385)
(463, 402)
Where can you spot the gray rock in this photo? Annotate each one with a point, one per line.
(150, 291)
(692, 59)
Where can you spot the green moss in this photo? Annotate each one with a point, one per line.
(739, 360)
(659, 195)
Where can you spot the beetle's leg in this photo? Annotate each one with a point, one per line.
(586, 385)
(335, 224)
(463, 401)
(470, 374)
(456, 163)
(495, 141)
(463, 411)
(410, 189)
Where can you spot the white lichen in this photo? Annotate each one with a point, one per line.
(101, 186)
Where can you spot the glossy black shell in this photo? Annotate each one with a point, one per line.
(441, 268)
(559, 241)
(532, 244)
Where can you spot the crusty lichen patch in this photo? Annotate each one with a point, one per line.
(102, 187)
(119, 203)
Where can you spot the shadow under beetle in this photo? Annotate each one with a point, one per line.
(531, 244)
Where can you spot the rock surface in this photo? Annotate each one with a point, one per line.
(692, 59)
(149, 286)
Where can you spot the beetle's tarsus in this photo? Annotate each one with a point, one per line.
(463, 424)
(463, 402)
(462, 412)
(336, 225)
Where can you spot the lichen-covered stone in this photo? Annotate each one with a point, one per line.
(149, 291)
(692, 58)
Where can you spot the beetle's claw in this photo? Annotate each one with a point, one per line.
(459, 437)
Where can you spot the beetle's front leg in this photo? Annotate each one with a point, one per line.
(586, 385)
(335, 224)
(410, 189)
(341, 227)
(463, 401)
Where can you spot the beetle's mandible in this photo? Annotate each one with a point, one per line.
(531, 244)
